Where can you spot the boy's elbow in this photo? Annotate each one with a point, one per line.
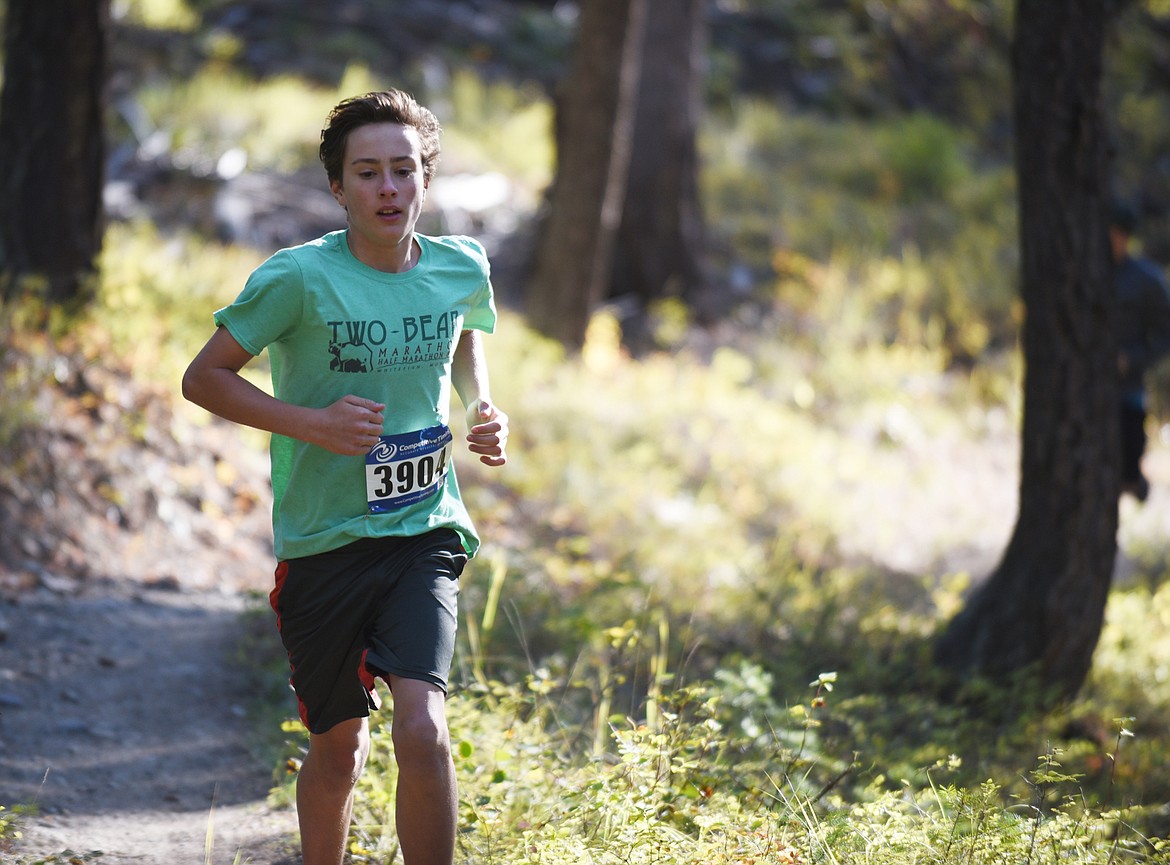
(190, 385)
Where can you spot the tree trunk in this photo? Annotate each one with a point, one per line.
(594, 135)
(52, 147)
(1043, 607)
(660, 242)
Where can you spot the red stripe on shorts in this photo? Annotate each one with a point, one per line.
(274, 595)
(368, 681)
(274, 602)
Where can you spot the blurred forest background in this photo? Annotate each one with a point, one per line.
(763, 301)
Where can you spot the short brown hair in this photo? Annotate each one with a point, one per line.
(383, 106)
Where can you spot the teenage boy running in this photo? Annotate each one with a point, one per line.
(367, 331)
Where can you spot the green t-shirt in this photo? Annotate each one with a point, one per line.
(334, 326)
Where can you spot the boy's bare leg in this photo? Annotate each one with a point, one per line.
(427, 802)
(325, 790)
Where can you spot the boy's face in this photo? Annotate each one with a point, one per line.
(382, 189)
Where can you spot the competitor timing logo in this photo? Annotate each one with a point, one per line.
(374, 346)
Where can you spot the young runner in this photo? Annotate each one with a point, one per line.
(367, 330)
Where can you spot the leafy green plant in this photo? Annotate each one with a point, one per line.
(699, 786)
(9, 827)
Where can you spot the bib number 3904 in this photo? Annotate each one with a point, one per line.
(406, 468)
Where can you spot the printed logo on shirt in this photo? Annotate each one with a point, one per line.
(372, 345)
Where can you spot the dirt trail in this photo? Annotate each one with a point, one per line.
(123, 716)
(131, 537)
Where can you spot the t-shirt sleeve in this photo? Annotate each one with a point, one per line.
(481, 314)
(270, 305)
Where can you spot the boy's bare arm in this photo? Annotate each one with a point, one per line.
(349, 426)
(487, 425)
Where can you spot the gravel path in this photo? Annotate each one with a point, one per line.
(123, 716)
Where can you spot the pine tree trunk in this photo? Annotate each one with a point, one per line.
(52, 147)
(1043, 607)
(660, 243)
(594, 136)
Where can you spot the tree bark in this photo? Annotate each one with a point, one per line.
(595, 114)
(660, 242)
(1042, 609)
(52, 147)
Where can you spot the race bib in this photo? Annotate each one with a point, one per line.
(406, 468)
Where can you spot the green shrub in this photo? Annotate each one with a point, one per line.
(696, 785)
(919, 231)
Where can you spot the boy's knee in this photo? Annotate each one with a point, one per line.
(421, 738)
(344, 766)
(341, 757)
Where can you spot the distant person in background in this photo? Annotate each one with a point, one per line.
(1143, 337)
(368, 330)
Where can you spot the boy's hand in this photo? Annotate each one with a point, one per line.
(487, 432)
(350, 426)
